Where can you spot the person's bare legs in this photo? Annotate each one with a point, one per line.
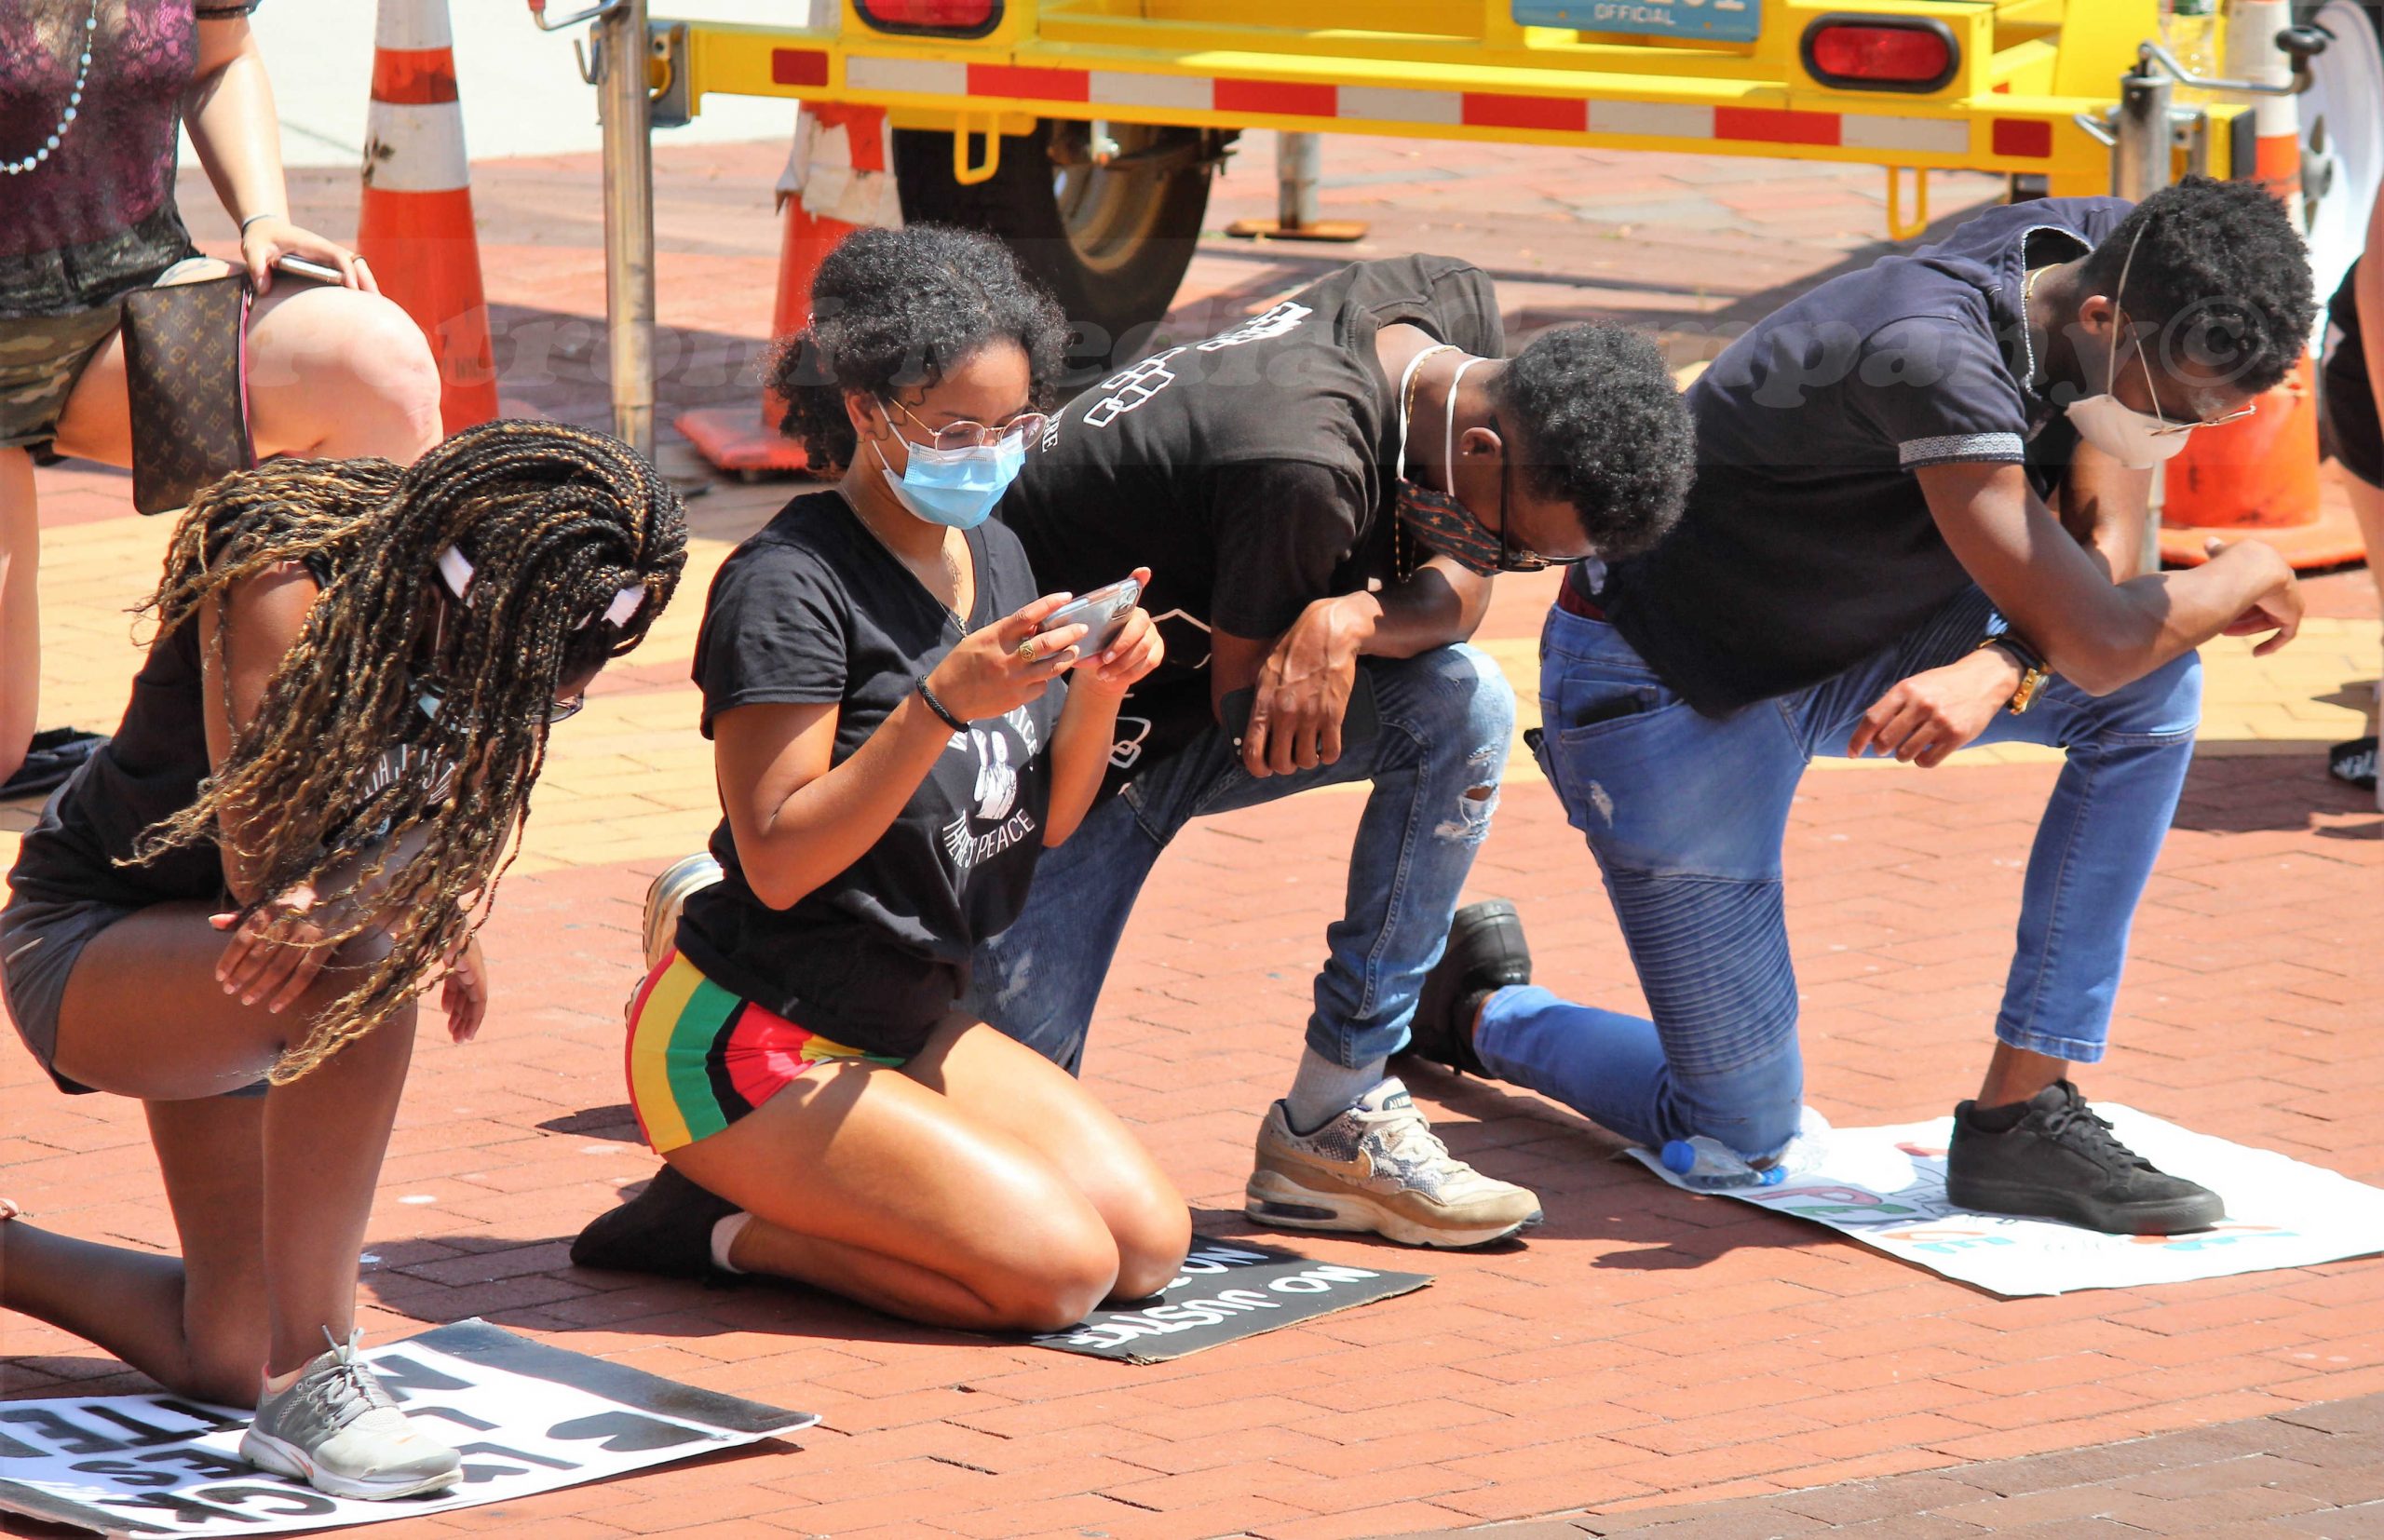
(863, 1180)
(332, 372)
(1008, 1086)
(19, 610)
(268, 1264)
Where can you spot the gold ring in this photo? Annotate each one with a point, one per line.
(1026, 649)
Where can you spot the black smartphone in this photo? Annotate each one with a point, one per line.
(1359, 723)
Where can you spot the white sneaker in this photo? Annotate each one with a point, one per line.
(336, 1429)
(1379, 1167)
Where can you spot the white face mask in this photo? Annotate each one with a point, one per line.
(2136, 439)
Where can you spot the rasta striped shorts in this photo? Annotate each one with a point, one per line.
(700, 1058)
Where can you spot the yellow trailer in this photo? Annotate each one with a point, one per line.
(1085, 131)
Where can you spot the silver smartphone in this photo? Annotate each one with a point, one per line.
(298, 267)
(1102, 612)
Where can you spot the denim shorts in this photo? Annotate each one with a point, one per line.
(40, 940)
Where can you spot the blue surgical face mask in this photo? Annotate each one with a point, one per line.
(956, 487)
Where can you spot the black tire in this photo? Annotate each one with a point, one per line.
(1110, 243)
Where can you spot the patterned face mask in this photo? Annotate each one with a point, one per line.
(1441, 521)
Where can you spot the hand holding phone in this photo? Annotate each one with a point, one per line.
(1103, 614)
(298, 267)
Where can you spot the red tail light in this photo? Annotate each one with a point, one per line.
(1873, 53)
(942, 18)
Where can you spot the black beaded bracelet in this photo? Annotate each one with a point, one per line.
(939, 707)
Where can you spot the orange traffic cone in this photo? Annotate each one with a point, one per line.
(837, 168)
(415, 227)
(2259, 476)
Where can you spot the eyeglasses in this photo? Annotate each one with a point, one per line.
(2169, 429)
(1024, 428)
(1512, 556)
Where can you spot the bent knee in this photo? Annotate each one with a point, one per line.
(1474, 678)
(1057, 1287)
(2165, 703)
(1151, 1248)
(370, 371)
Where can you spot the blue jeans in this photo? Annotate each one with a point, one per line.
(1447, 717)
(1685, 815)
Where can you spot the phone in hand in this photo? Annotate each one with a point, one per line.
(1361, 721)
(1102, 612)
(300, 267)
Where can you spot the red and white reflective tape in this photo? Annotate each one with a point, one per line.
(1882, 132)
(414, 132)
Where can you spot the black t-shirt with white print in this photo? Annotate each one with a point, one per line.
(1252, 473)
(813, 609)
(1807, 544)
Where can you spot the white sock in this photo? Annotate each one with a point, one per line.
(1322, 1090)
(723, 1236)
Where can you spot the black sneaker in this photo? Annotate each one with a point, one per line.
(2061, 1161)
(665, 1230)
(1485, 952)
(2353, 763)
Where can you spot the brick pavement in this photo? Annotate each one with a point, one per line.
(1644, 1350)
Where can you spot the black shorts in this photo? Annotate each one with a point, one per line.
(40, 939)
(2350, 396)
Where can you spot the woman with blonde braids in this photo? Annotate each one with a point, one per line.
(275, 856)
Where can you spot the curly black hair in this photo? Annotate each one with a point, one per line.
(895, 310)
(2219, 277)
(1604, 427)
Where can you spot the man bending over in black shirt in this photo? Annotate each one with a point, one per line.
(1321, 566)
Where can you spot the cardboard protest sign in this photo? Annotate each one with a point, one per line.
(1886, 1188)
(1227, 1291)
(527, 1418)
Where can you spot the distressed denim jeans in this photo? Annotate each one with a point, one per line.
(1447, 718)
(1685, 815)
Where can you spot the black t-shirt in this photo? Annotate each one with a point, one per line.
(1253, 473)
(148, 771)
(814, 610)
(1807, 545)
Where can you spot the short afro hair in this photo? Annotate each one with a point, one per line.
(2220, 278)
(896, 310)
(1602, 428)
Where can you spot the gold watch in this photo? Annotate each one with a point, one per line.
(2033, 673)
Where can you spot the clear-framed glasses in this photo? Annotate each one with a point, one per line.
(1024, 428)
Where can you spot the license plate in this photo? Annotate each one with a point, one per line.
(1709, 21)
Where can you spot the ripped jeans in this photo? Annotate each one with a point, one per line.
(1686, 813)
(1447, 717)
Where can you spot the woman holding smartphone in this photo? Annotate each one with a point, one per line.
(897, 735)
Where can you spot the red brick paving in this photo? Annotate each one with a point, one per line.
(1644, 1348)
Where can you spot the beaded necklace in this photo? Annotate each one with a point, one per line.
(73, 100)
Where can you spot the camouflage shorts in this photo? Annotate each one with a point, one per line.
(41, 356)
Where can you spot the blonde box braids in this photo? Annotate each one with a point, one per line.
(556, 522)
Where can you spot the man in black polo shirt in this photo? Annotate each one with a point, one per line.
(1319, 566)
(1920, 496)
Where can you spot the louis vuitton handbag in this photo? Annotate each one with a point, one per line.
(185, 364)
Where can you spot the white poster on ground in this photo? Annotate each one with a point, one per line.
(1886, 1188)
(526, 1418)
